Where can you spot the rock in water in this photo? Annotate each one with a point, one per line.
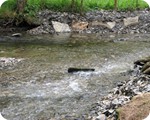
(16, 35)
(60, 27)
(73, 70)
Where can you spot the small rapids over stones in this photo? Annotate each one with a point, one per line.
(35, 84)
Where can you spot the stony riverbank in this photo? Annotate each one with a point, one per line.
(122, 94)
(138, 84)
(102, 22)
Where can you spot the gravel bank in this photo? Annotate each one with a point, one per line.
(102, 22)
(138, 84)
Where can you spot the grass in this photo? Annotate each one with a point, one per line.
(109, 4)
(65, 5)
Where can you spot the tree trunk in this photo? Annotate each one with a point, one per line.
(21, 5)
(81, 7)
(115, 4)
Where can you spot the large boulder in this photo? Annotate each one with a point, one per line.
(60, 27)
(137, 109)
(130, 21)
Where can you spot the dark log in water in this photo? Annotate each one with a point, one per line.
(72, 70)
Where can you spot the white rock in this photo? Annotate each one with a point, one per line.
(60, 27)
(131, 21)
(16, 35)
(111, 25)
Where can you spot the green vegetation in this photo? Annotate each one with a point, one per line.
(33, 6)
(9, 8)
(65, 5)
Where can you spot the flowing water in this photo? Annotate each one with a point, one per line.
(39, 87)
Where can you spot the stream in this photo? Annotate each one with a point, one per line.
(39, 86)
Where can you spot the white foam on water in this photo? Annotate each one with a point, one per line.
(77, 82)
(75, 86)
(84, 74)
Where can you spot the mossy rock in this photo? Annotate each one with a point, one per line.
(137, 109)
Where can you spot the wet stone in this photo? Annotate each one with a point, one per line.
(16, 35)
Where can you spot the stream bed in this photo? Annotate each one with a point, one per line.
(38, 86)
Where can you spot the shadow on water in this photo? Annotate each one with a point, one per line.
(39, 87)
